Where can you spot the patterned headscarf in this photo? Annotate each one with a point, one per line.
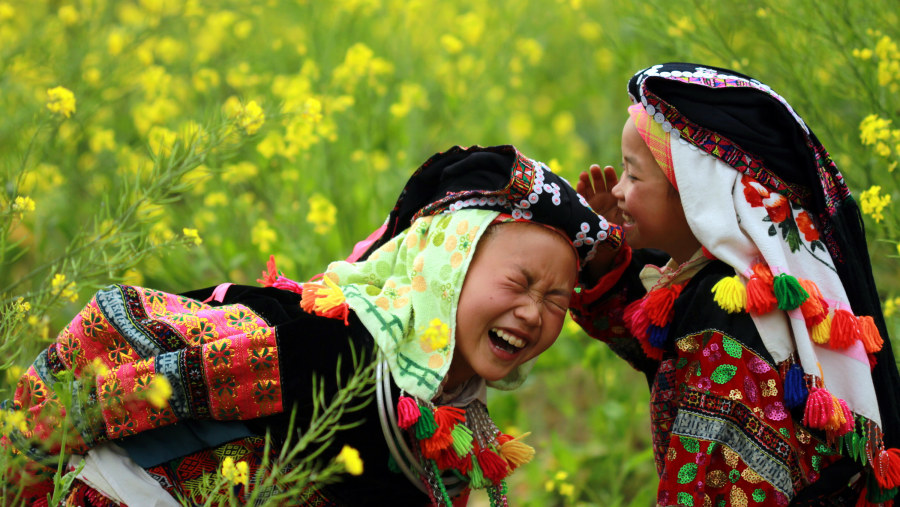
(406, 288)
(761, 193)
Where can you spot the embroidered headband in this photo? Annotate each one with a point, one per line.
(656, 139)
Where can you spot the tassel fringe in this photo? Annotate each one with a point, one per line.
(325, 300)
(730, 294)
(789, 293)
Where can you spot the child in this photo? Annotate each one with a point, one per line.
(443, 317)
(772, 378)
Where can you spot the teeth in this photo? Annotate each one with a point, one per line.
(626, 218)
(510, 339)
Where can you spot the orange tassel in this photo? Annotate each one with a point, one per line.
(837, 415)
(445, 417)
(325, 300)
(849, 422)
(869, 334)
(844, 330)
(760, 292)
(814, 309)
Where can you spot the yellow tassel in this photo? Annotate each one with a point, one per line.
(821, 332)
(730, 294)
(837, 418)
(326, 300)
(516, 452)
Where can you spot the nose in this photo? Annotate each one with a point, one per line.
(617, 190)
(529, 310)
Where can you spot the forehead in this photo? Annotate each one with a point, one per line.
(526, 243)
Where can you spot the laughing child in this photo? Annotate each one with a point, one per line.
(746, 296)
(468, 281)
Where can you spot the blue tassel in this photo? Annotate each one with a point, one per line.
(795, 392)
(657, 335)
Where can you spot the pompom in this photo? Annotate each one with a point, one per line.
(760, 292)
(730, 294)
(819, 408)
(407, 412)
(789, 293)
(795, 392)
(844, 330)
(869, 334)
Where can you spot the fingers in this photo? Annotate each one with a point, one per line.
(609, 177)
(584, 186)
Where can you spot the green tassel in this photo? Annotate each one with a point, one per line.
(462, 439)
(476, 476)
(425, 426)
(392, 464)
(874, 493)
(789, 293)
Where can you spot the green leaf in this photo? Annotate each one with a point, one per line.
(732, 347)
(723, 373)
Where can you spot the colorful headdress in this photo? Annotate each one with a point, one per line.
(762, 194)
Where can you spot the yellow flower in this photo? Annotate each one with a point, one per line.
(549, 486)
(437, 335)
(159, 391)
(228, 470)
(873, 129)
(872, 203)
(566, 489)
(61, 101)
(6, 11)
(322, 214)
(98, 367)
(561, 475)
(891, 305)
(351, 460)
(241, 474)
(192, 235)
(23, 204)
(451, 44)
(68, 15)
(251, 117)
(22, 306)
(102, 140)
(262, 235)
(63, 288)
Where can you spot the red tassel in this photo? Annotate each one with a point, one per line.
(869, 334)
(819, 408)
(844, 330)
(760, 291)
(658, 304)
(814, 309)
(407, 412)
(887, 468)
(494, 467)
(635, 319)
(448, 458)
(445, 417)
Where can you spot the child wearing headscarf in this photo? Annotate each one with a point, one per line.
(468, 280)
(748, 300)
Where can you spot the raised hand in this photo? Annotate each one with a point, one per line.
(596, 188)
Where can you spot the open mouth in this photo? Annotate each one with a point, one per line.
(506, 341)
(626, 219)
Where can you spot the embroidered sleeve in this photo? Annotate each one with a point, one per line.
(599, 310)
(219, 363)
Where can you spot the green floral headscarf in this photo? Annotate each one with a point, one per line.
(406, 294)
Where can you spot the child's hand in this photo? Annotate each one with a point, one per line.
(597, 191)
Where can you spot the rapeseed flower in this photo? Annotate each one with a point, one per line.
(192, 235)
(262, 235)
(7, 11)
(61, 101)
(23, 204)
(251, 117)
(69, 15)
(235, 473)
(872, 203)
(159, 391)
(322, 214)
(436, 335)
(64, 288)
(351, 460)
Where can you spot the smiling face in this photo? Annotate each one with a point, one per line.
(651, 208)
(513, 301)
